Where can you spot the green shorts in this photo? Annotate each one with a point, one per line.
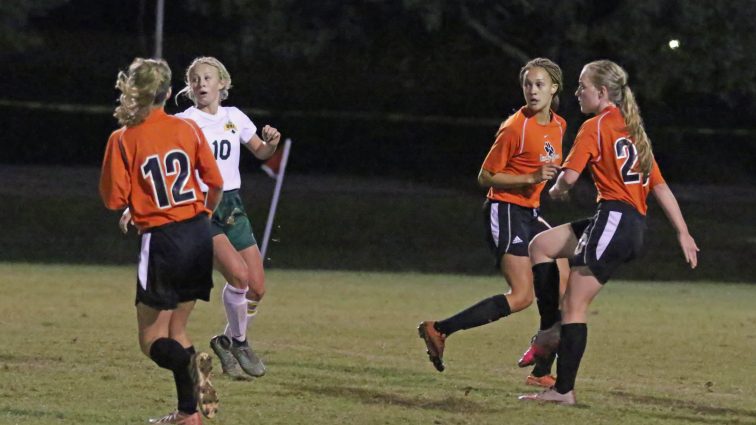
(231, 219)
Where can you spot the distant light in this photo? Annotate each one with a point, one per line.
(674, 44)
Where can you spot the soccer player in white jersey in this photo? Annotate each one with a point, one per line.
(237, 256)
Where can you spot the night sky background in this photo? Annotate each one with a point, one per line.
(409, 89)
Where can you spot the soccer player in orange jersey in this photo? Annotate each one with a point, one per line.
(614, 145)
(525, 155)
(236, 253)
(151, 166)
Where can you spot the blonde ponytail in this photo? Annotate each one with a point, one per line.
(631, 112)
(605, 73)
(146, 83)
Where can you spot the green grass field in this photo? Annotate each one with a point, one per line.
(341, 348)
(360, 223)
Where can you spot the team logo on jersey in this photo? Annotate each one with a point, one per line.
(230, 126)
(551, 154)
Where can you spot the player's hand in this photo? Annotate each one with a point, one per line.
(558, 195)
(690, 249)
(271, 136)
(125, 220)
(546, 172)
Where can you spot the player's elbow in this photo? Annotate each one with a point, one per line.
(114, 204)
(484, 179)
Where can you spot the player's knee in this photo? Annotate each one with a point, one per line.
(256, 292)
(238, 278)
(535, 251)
(256, 285)
(520, 300)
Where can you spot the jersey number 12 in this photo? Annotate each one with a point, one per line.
(175, 162)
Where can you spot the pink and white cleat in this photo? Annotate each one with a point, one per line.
(551, 396)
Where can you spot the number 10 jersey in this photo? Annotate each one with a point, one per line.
(225, 132)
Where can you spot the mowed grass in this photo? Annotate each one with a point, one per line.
(341, 348)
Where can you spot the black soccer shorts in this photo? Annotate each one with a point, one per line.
(175, 264)
(510, 228)
(610, 238)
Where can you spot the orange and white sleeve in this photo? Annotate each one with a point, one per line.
(655, 177)
(584, 150)
(115, 184)
(503, 149)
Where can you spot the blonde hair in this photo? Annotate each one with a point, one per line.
(551, 68)
(605, 73)
(222, 74)
(146, 83)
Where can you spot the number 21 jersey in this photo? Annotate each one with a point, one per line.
(604, 144)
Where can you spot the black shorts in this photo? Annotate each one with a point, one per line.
(510, 228)
(175, 264)
(610, 238)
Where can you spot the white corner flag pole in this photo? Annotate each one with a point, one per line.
(276, 194)
(159, 17)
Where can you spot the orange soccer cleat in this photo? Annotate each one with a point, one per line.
(545, 381)
(434, 342)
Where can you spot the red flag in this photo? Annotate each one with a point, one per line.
(273, 165)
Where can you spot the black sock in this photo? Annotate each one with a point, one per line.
(571, 349)
(486, 311)
(169, 354)
(187, 403)
(543, 366)
(236, 343)
(190, 349)
(546, 286)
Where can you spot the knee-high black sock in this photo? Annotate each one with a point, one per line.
(546, 286)
(571, 349)
(486, 311)
(169, 354)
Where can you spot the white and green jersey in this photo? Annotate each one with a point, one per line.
(225, 132)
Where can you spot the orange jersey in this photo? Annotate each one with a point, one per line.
(603, 142)
(521, 147)
(151, 169)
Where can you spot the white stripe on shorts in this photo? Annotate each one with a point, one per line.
(509, 226)
(606, 236)
(495, 222)
(144, 260)
(545, 223)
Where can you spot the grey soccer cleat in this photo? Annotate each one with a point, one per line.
(248, 360)
(546, 341)
(221, 345)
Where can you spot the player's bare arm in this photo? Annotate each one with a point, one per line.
(263, 148)
(671, 208)
(510, 181)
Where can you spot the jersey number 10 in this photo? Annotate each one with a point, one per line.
(222, 149)
(174, 162)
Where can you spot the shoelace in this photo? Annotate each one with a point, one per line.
(169, 418)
